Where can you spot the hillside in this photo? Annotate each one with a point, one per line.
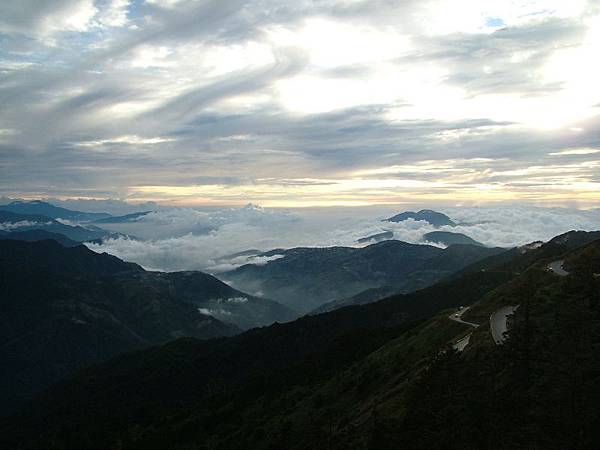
(219, 300)
(449, 238)
(306, 278)
(445, 262)
(538, 390)
(270, 360)
(38, 235)
(362, 298)
(379, 376)
(63, 309)
(520, 258)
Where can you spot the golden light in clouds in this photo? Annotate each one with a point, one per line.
(464, 181)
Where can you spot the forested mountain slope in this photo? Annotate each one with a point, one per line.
(62, 309)
(306, 278)
(378, 376)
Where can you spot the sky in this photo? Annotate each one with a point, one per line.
(301, 103)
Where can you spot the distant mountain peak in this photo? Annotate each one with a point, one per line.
(133, 217)
(435, 218)
(252, 207)
(378, 237)
(47, 209)
(449, 238)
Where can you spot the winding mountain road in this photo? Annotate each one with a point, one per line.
(557, 268)
(457, 317)
(499, 319)
(464, 341)
(498, 323)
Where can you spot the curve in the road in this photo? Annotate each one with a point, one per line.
(457, 317)
(498, 323)
(557, 268)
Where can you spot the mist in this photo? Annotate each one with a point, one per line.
(173, 239)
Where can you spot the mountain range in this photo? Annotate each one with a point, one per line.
(306, 278)
(383, 376)
(404, 345)
(64, 308)
(449, 238)
(11, 222)
(37, 207)
(34, 235)
(123, 219)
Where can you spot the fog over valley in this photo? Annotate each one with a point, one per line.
(185, 239)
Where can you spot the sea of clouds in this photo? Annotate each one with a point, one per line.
(173, 239)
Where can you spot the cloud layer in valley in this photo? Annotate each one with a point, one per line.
(336, 102)
(183, 239)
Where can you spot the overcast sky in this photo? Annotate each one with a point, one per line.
(301, 103)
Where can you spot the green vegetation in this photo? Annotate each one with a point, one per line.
(307, 278)
(378, 376)
(62, 309)
(540, 389)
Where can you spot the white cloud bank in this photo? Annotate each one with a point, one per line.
(187, 239)
(12, 226)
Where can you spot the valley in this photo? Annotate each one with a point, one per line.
(150, 359)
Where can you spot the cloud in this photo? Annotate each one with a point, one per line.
(227, 262)
(115, 13)
(43, 18)
(225, 102)
(576, 151)
(46, 19)
(10, 226)
(212, 312)
(130, 140)
(179, 222)
(185, 239)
